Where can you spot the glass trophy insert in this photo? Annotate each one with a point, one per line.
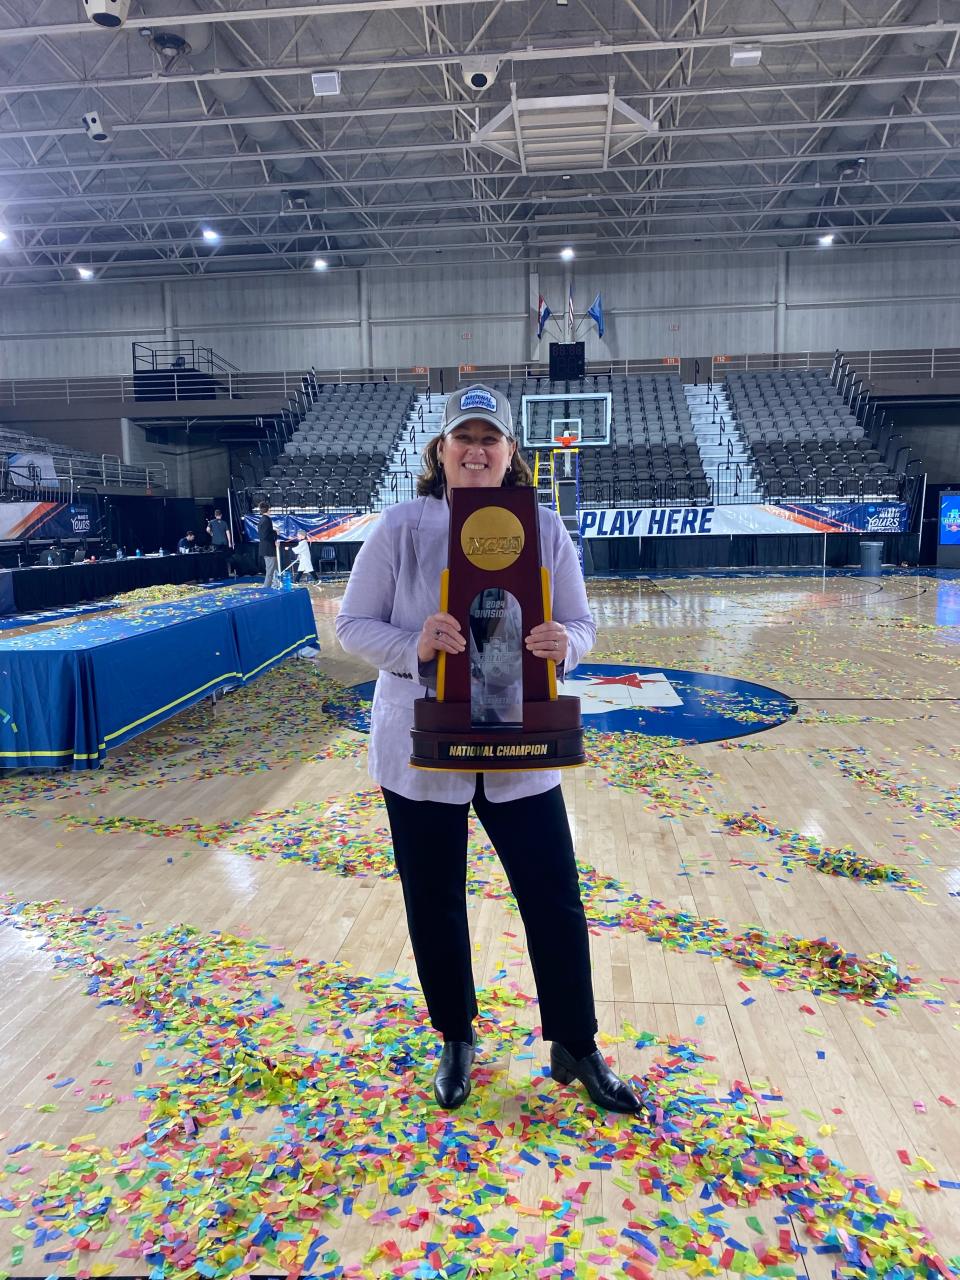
(496, 659)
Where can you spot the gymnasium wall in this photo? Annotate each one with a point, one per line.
(697, 304)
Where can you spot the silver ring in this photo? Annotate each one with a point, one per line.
(556, 644)
(438, 633)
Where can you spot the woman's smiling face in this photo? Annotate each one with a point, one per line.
(475, 455)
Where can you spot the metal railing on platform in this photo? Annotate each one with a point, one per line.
(726, 489)
(179, 353)
(533, 369)
(70, 473)
(922, 363)
(177, 384)
(224, 383)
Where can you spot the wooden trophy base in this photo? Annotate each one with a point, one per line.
(444, 738)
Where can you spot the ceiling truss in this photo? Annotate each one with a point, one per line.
(656, 144)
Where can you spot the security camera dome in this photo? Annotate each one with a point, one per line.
(479, 73)
(107, 13)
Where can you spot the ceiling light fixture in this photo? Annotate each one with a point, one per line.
(84, 273)
(325, 84)
(210, 235)
(745, 55)
(827, 238)
(320, 264)
(567, 254)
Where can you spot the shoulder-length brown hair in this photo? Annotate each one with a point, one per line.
(431, 483)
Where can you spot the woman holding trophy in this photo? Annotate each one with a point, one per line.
(390, 617)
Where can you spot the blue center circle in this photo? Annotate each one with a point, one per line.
(696, 706)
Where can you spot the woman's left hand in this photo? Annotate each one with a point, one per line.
(548, 640)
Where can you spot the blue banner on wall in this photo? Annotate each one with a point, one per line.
(949, 520)
(745, 518)
(649, 522)
(319, 527)
(43, 520)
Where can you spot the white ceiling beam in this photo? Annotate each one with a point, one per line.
(586, 241)
(435, 148)
(660, 94)
(768, 39)
(399, 180)
(560, 222)
(261, 14)
(605, 253)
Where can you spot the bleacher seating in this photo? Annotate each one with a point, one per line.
(338, 452)
(653, 454)
(74, 467)
(804, 441)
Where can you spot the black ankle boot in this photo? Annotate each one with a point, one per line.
(451, 1084)
(603, 1085)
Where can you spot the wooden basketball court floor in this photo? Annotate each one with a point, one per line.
(214, 1058)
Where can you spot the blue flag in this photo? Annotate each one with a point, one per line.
(595, 313)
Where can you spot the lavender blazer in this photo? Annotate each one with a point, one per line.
(393, 588)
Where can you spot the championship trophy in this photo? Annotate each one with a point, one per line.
(497, 705)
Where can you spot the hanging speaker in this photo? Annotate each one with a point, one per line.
(567, 361)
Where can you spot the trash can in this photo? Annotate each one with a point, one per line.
(871, 559)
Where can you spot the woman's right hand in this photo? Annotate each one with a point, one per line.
(441, 633)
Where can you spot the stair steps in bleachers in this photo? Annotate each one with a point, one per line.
(723, 449)
(403, 467)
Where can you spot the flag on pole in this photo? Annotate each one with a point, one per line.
(543, 315)
(596, 314)
(570, 320)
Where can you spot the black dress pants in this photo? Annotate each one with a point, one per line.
(532, 839)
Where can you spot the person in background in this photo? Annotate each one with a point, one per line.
(220, 536)
(54, 554)
(267, 536)
(188, 543)
(304, 554)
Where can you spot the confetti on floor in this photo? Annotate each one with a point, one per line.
(196, 1195)
(336, 837)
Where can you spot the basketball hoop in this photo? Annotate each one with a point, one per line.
(566, 442)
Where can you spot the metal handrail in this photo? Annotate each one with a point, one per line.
(279, 385)
(650, 493)
(73, 470)
(920, 363)
(532, 370)
(148, 355)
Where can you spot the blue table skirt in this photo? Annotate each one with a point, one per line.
(70, 694)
